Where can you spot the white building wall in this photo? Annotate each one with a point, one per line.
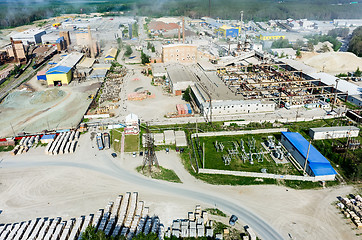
(357, 100)
(333, 134)
(225, 108)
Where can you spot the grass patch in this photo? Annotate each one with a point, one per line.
(214, 159)
(116, 137)
(219, 179)
(131, 143)
(161, 174)
(6, 148)
(219, 227)
(215, 211)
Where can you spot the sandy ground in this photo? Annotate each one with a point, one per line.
(51, 108)
(37, 185)
(151, 109)
(332, 62)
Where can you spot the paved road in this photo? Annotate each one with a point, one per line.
(107, 166)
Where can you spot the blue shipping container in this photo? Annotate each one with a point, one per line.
(189, 108)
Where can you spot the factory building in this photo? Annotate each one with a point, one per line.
(271, 36)
(227, 31)
(179, 78)
(16, 51)
(62, 73)
(110, 55)
(333, 132)
(31, 36)
(317, 164)
(59, 75)
(179, 53)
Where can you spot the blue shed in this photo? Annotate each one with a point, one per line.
(317, 164)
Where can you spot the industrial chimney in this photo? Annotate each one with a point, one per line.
(90, 43)
(183, 29)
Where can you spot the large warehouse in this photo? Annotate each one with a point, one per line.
(317, 165)
(333, 132)
(62, 73)
(180, 78)
(31, 36)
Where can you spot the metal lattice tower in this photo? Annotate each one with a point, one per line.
(149, 157)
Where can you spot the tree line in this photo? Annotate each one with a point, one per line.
(355, 44)
(13, 14)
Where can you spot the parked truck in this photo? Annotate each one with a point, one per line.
(106, 140)
(99, 141)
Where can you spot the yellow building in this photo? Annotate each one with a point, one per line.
(228, 31)
(111, 55)
(59, 75)
(270, 36)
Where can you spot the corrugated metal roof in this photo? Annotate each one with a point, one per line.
(111, 53)
(316, 161)
(59, 40)
(343, 85)
(330, 129)
(58, 70)
(71, 60)
(51, 136)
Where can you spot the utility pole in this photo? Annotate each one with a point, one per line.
(12, 129)
(306, 159)
(335, 94)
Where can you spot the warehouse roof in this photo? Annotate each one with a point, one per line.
(50, 136)
(86, 63)
(316, 161)
(331, 129)
(179, 73)
(71, 59)
(58, 70)
(111, 53)
(343, 85)
(272, 34)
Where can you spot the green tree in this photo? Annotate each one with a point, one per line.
(298, 44)
(357, 73)
(355, 44)
(128, 51)
(145, 58)
(281, 43)
(310, 46)
(325, 48)
(298, 54)
(186, 95)
(153, 49)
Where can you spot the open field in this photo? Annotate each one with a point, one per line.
(131, 143)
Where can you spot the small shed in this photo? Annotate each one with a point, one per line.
(41, 75)
(333, 132)
(47, 138)
(169, 137)
(180, 139)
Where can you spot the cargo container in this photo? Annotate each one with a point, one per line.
(189, 108)
(106, 140)
(99, 141)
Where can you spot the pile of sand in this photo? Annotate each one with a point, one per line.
(333, 62)
(46, 96)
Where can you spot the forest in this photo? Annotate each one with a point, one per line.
(19, 12)
(355, 45)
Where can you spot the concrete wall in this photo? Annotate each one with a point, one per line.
(232, 133)
(267, 175)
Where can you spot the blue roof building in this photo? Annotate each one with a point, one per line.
(317, 164)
